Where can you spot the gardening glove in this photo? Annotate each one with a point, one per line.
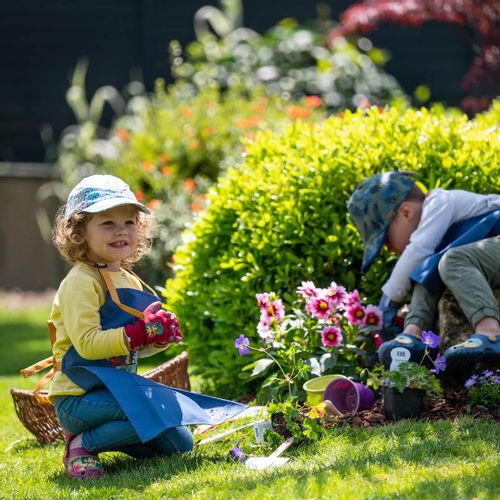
(159, 327)
(391, 325)
(162, 327)
(136, 334)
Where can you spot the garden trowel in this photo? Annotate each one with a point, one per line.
(273, 460)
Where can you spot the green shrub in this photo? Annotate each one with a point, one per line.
(280, 217)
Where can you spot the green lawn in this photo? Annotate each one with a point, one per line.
(409, 459)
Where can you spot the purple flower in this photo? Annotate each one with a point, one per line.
(471, 381)
(439, 364)
(242, 343)
(431, 339)
(238, 453)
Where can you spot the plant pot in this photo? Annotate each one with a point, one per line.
(348, 396)
(406, 404)
(316, 387)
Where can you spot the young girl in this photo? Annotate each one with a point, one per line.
(103, 323)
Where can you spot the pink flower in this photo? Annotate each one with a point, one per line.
(272, 313)
(373, 316)
(336, 294)
(265, 332)
(355, 314)
(352, 298)
(262, 300)
(307, 289)
(331, 337)
(319, 307)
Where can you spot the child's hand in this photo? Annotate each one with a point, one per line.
(389, 310)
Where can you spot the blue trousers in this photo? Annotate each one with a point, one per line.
(104, 427)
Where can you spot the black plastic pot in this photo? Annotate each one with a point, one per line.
(406, 404)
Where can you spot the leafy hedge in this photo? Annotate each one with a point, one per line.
(280, 217)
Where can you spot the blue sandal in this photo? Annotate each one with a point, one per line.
(403, 348)
(477, 348)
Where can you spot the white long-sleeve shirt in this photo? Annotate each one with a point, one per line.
(440, 210)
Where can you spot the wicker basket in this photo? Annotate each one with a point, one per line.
(40, 419)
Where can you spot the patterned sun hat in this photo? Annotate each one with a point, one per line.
(98, 193)
(373, 206)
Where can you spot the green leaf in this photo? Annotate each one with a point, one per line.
(261, 366)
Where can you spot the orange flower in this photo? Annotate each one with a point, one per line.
(122, 134)
(209, 131)
(199, 203)
(249, 122)
(139, 195)
(186, 112)
(259, 108)
(166, 171)
(148, 166)
(312, 101)
(298, 113)
(164, 159)
(154, 204)
(189, 185)
(195, 144)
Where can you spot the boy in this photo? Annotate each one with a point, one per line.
(445, 238)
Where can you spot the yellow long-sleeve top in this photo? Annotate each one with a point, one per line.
(75, 313)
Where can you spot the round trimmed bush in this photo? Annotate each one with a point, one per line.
(280, 218)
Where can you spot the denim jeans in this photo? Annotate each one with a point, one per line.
(104, 427)
(469, 272)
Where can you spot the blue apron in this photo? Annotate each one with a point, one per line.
(461, 233)
(150, 407)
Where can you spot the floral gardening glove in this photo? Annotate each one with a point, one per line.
(162, 327)
(159, 327)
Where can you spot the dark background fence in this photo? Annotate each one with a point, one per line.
(42, 40)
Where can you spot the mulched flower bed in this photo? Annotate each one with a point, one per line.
(452, 405)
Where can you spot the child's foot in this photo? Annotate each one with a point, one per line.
(477, 348)
(403, 348)
(80, 463)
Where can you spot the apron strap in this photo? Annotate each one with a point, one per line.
(114, 294)
(126, 269)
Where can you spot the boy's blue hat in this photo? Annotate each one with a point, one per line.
(98, 193)
(373, 206)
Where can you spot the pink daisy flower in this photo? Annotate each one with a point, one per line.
(273, 312)
(352, 298)
(262, 300)
(319, 307)
(373, 316)
(307, 289)
(336, 294)
(331, 337)
(355, 314)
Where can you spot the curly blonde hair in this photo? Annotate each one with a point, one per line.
(69, 236)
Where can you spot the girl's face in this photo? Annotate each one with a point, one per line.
(111, 236)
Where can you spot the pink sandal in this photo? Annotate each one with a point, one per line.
(80, 463)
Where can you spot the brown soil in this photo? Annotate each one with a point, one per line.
(452, 405)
